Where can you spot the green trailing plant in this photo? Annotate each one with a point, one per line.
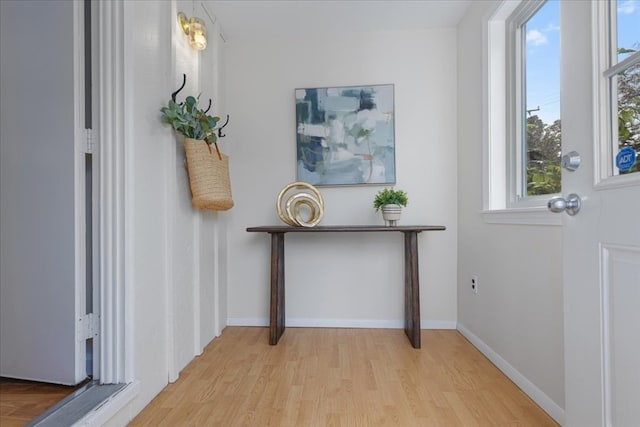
(191, 121)
(390, 197)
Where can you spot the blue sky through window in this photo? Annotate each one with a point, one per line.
(543, 63)
(543, 53)
(628, 12)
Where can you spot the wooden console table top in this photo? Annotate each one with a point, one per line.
(344, 228)
(411, 275)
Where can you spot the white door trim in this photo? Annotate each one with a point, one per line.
(115, 207)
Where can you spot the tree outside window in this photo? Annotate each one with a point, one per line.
(543, 132)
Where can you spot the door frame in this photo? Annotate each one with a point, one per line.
(115, 220)
(115, 202)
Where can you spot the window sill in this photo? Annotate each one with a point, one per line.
(522, 216)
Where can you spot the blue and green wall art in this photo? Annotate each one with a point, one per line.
(345, 135)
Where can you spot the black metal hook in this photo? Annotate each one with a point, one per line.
(184, 82)
(209, 107)
(220, 134)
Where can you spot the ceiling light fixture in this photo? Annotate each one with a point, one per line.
(195, 30)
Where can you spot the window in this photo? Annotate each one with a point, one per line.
(541, 136)
(523, 102)
(533, 119)
(617, 85)
(623, 75)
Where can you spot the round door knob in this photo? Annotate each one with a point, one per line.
(571, 204)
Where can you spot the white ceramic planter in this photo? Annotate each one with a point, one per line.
(391, 214)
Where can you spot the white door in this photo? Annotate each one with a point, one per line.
(601, 244)
(41, 197)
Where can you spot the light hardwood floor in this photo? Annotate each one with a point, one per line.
(22, 401)
(341, 377)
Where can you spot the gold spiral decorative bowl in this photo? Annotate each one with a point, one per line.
(296, 198)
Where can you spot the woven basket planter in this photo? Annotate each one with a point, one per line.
(208, 176)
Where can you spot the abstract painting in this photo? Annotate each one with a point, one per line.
(345, 135)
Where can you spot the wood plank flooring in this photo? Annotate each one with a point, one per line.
(341, 377)
(22, 401)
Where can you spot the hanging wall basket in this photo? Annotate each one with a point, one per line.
(208, 176)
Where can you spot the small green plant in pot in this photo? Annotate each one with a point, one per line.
(390, 201)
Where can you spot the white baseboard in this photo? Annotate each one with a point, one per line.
(247, 321)
(341, 323)
(438, 324)
(537, 395)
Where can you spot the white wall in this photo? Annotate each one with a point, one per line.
(345, 279)
(517, 315)
(178, 259)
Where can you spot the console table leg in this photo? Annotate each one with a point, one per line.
(276, 309)
(411, 289)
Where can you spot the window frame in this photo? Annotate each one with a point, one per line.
(605, 65)
(504, 136)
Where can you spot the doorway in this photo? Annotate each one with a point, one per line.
(49, 329)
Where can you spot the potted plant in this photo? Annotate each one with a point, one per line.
(208, 172)
(390, 201)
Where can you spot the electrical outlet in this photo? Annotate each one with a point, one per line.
(474, 284)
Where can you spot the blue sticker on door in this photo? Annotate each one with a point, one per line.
(625, 159)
